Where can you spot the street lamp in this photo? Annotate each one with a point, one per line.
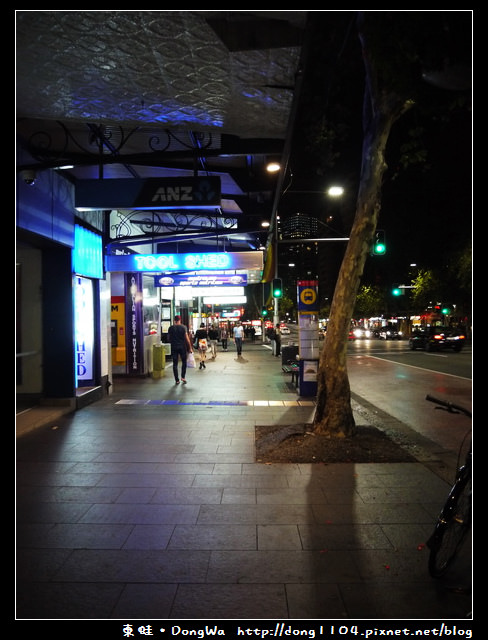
(335, 191)
(273, 167)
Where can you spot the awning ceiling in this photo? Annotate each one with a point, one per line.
(162, 94)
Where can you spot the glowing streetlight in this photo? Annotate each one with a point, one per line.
(273, 167)
(335, 192)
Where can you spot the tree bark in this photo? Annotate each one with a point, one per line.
(333, 416)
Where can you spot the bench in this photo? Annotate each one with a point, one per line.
(294, 369)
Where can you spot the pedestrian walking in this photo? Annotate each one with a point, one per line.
(213, 336)
(277, 339)
(180, 347)
(238, 337)
(224, 335)
(201, 342)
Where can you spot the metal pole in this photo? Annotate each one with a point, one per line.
(275, 306)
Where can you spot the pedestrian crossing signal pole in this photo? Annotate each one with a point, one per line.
(277, 291)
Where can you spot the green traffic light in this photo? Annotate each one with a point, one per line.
(396, 291)
(277, 288)
(379, 246)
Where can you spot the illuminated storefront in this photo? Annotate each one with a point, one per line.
(87, 269)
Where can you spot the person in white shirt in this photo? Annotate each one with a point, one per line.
(238, 337)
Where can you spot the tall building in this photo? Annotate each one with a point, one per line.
(303, 255)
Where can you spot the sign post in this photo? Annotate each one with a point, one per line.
(308, 336)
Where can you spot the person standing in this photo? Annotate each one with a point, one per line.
(201, 340)
(180, 347)
(277, 339)
(238, 337)
(213, 336)
(224, 335)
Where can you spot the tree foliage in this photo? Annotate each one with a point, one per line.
(452, 284)
(370, 300)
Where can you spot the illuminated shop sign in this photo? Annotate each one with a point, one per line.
(185, 261)
(87, 253)
(225, 300)
(134, 324)
(200, 281)
(84, 328)
(187, 293)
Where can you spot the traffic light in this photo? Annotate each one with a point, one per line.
(396, 291)
(379, 245)
(264, 312)
(277, 288)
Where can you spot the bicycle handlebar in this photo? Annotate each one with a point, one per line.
(449, 406)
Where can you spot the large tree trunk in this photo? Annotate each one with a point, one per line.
(333, 415)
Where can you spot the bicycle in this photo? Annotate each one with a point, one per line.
(454, 520)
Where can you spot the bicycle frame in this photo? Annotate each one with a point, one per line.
(454, 521)
(449, 510)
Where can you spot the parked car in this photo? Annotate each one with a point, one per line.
(390, 332)
(436, 338)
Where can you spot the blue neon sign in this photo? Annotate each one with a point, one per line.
(181, 261)
(87, 256)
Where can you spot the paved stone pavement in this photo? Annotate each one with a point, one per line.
(149, 504)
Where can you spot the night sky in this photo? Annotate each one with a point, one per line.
(427, 208)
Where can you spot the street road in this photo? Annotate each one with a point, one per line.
(396, 380)
(459, 364)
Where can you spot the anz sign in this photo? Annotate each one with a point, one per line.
(149, 193)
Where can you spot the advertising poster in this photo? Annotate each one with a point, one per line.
(134, 324)
(84, 328)
(310, 370)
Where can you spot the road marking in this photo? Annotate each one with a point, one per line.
(221, 403)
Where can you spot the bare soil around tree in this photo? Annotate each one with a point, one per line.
(372, 442)
(298, 443)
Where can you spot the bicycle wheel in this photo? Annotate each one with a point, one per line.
(452, 527)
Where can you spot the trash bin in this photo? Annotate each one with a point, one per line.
(289, 352)
(159, 360)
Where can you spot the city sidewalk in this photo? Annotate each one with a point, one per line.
(149, 504)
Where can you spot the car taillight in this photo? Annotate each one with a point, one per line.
(438, 336)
